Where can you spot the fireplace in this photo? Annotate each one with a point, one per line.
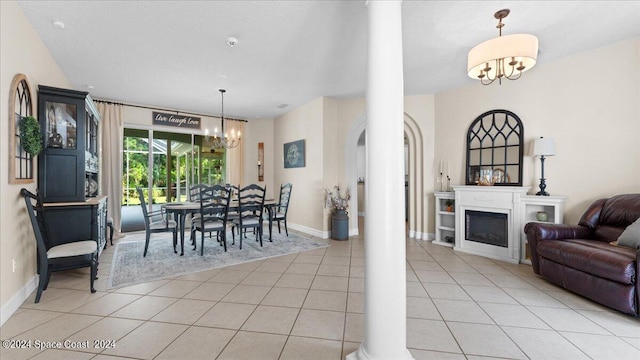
(487, 228)
(489, 221)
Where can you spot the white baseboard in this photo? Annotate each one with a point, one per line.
(310, 231)
(421, 236)
(17, 299)
(360, 213)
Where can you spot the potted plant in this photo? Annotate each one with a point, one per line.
(30, 136)
(448, 205)
(339, 204)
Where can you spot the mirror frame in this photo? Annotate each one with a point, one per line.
(484, 129)
(21, 164)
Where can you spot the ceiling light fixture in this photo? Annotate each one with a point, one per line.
(223, 141)
(58, 24)
(232, 41)
(502, 57)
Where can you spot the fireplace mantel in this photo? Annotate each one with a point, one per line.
(491, 199)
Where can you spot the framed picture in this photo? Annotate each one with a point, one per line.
(294, 154)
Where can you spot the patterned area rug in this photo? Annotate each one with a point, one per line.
(129, 267)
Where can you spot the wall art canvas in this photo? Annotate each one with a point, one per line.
(294, 154)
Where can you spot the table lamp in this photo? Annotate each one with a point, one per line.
(543, 147)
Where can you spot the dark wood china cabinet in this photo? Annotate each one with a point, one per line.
(68, 167)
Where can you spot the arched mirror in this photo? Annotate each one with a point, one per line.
(20, 106)
(494, 149)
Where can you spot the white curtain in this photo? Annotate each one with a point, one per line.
(111, 132)
(235, 156)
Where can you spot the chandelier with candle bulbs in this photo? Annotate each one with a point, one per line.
(222, 140)
(504, 57)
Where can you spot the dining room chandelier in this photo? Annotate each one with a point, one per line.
(222, 140)
(502, 57)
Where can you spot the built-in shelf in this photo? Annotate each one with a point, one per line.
(445, 220)
(553, 206)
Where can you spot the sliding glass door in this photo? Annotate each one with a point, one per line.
(165, 165)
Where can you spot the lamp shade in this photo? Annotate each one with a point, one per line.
(544, 146)
(523, 47)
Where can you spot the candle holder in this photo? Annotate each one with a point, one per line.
(448, 183)
(441, 181)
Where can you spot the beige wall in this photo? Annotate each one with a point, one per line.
(335, 117)
(587, 102)
(21, 51)
(304, 122)
(256, 131)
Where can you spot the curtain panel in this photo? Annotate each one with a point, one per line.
(111, 133)
(235, 156)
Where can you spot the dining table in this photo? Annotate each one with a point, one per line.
(180, 210)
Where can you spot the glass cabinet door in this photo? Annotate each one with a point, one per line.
(61, 125)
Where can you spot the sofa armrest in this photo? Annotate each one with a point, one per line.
(537, 232)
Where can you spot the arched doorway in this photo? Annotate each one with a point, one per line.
(417, 202)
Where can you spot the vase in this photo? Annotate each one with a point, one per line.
(340, 225)
(542, 216)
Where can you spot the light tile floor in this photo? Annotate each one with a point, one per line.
(310, 306)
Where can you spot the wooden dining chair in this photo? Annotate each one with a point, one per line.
(235, 190)
(194, 196)
(156, 226)
(214, 208)
(280, 211)
(250, 208)
(72, 255)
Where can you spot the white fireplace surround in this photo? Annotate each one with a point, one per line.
(493, 199)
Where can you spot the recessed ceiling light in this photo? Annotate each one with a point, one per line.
(90, 87)
(282, 106)
(232, 41)
(59, 24)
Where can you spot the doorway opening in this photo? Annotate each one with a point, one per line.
(415, 199)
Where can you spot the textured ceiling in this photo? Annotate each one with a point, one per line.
(173, 54)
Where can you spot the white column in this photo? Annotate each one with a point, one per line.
(385, 256)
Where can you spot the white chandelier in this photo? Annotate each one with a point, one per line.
(502, 57)
(222, 141)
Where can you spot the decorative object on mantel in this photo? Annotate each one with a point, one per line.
(486, 178)
(222, 141)
(543, 147)
(441, 179)
(442, 176)
(30, 136)
(502, 57)
(339, 205)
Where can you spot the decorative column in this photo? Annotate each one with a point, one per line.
(385, 335)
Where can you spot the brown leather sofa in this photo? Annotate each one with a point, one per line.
(581, 259)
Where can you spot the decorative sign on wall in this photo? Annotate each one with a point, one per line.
(260, 161)
(294, 154)
(182, 121)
